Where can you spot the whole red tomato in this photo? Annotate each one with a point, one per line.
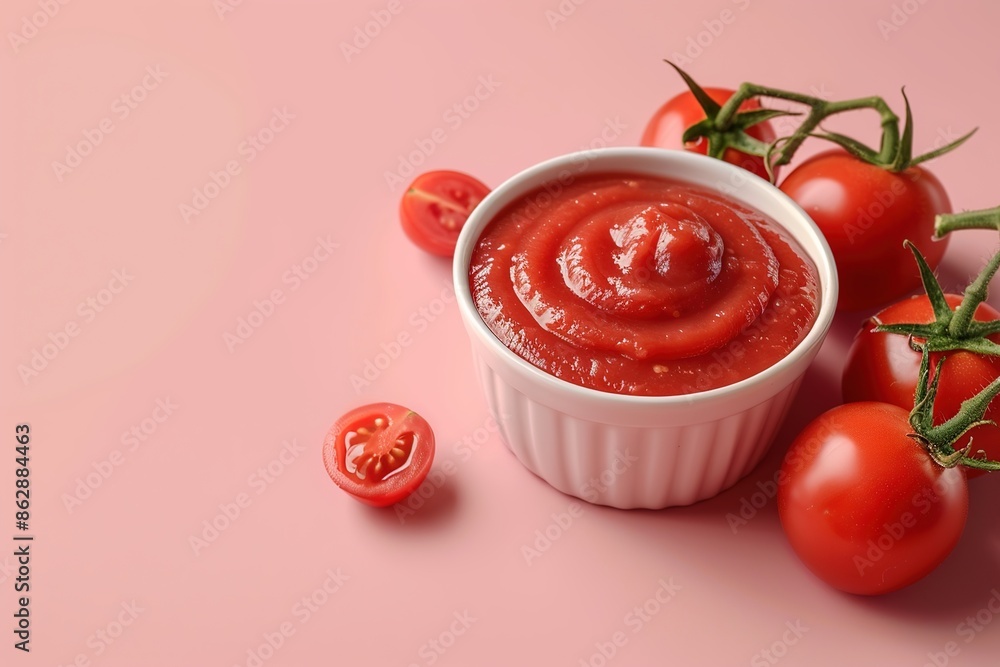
(883, 367)
(866, 212)
(668, 124)
(863, 505)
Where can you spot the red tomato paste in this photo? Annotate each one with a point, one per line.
(640, 285)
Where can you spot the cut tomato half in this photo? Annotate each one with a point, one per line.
(379, 453)
(436, 206)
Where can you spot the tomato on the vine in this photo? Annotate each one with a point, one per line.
(436, 206)
(883, 367)
(865, 212)
(666, 128)
(863, 504)
(379, 453)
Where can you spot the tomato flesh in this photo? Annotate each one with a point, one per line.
(379, 453)
(863, 505)
(883, 367)
(667, 126)
(866, 212)
(436, 206)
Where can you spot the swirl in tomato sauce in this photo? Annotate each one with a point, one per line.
(644, 286)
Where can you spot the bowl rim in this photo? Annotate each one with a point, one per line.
(715, 171)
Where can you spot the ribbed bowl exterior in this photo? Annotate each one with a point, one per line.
(641, 451)
(677, 465)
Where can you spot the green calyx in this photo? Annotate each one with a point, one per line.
(733, 134)
(952, 329)
(896, 152)
(939, 440)
(725, 126)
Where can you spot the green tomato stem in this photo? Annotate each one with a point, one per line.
(975, 294)
(951, 329)
(987, 218)
(939, 441)
(979, 464)
(819, 110)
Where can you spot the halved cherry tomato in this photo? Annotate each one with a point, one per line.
(680, 112)
(436, 206)
(379, 453)
(883, 367)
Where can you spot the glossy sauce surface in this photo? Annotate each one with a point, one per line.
(638, 285)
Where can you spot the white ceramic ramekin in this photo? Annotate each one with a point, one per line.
(638, 451)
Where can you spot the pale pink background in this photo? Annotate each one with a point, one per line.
(323, 176)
